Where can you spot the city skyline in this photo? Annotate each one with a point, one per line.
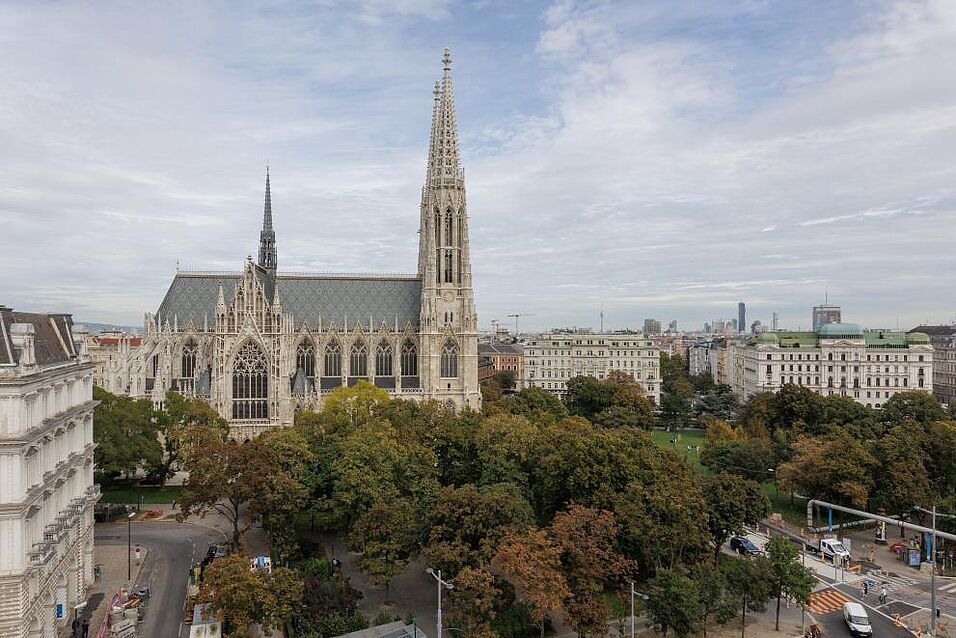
(659, 162)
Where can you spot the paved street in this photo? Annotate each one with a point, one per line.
(173, 547)
(827, 608)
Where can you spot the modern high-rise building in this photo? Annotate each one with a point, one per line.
(741, 317)
(652, 326)
(261, 344)
(46, 473)
(824, 314)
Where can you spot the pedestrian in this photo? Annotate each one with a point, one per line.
(86, 627)
(883, 594)
(75, 626)
(866, 588)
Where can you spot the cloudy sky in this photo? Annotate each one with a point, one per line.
(660, 159)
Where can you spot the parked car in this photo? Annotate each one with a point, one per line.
(854, 614)
(742, 545)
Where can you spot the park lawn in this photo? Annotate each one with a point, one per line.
(795, 514)
(685, 438)
(147, 494)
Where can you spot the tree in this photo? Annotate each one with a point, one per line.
(837, 469)
(914, 405)
(674, 603)
(751, 582)
(789, 577)
(751, 459)
(243, 596)
(223, 476)
(505, 379)
(732, 503)
(474, 599)
(531, 562)
(466, 523)
(356, 405)
(669, 507)
(720, 403)
(175, 422)
(586, 538)
(675, 409)
(125, 434)
(535, 404)
(902, 480)
(718, 603)
(385, 534)
(586, 396)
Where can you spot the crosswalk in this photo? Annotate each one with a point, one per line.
(827, 600)
(949, 588)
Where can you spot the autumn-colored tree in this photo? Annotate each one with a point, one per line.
(242, 595)
(837, 469)
(732, 503)
(223, 477)
(465, 524)
(385, 534)
(474, 600)
(586, 539)
(358, 405)
(531, 562)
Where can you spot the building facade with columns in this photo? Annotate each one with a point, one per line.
(839, 359)
(46, 473)
(261, 344)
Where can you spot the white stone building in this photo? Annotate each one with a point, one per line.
(117, 362)
(261, 344)
(943, 339)
(551, 359)
(46, 473)
(839, 359)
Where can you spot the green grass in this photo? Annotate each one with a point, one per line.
(146, 494)
(685, 438)
(795, 514)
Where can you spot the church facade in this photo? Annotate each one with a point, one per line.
(261, 344)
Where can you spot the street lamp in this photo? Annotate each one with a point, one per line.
(129, 547)
(632, 608)
(441, 583)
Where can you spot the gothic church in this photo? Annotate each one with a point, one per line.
(261, 344)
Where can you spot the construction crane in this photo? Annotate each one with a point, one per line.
(517, 316)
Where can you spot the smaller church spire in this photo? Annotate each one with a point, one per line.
(267, 238)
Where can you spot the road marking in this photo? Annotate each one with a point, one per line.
(948, 588)
(822, 602)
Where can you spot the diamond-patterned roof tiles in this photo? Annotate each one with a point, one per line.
(306, 297)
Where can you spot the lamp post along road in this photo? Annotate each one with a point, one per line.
(436, 574)
(129, 547)
(632, 608)
(932, 614)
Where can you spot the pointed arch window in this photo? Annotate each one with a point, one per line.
(448, 268)
(383, 359)
(449, 360)
(305, 358)
(333, 359)
(358, 359)
(250, 384)
(186, 382)
(448, 235)
(188, 361)
(409, 359)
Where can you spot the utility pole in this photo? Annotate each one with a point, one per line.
(932, 615)
(632, 608)
(436, 574)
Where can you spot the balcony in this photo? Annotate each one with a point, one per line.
(41, 553)
(93, 493)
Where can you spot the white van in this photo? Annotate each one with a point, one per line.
(833, 549)
(854, 614)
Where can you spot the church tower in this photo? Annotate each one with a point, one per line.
(267, 244)
(449, 325)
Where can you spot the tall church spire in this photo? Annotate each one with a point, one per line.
(444, 166)
(267, 237)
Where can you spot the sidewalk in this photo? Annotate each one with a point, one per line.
(113, 563)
